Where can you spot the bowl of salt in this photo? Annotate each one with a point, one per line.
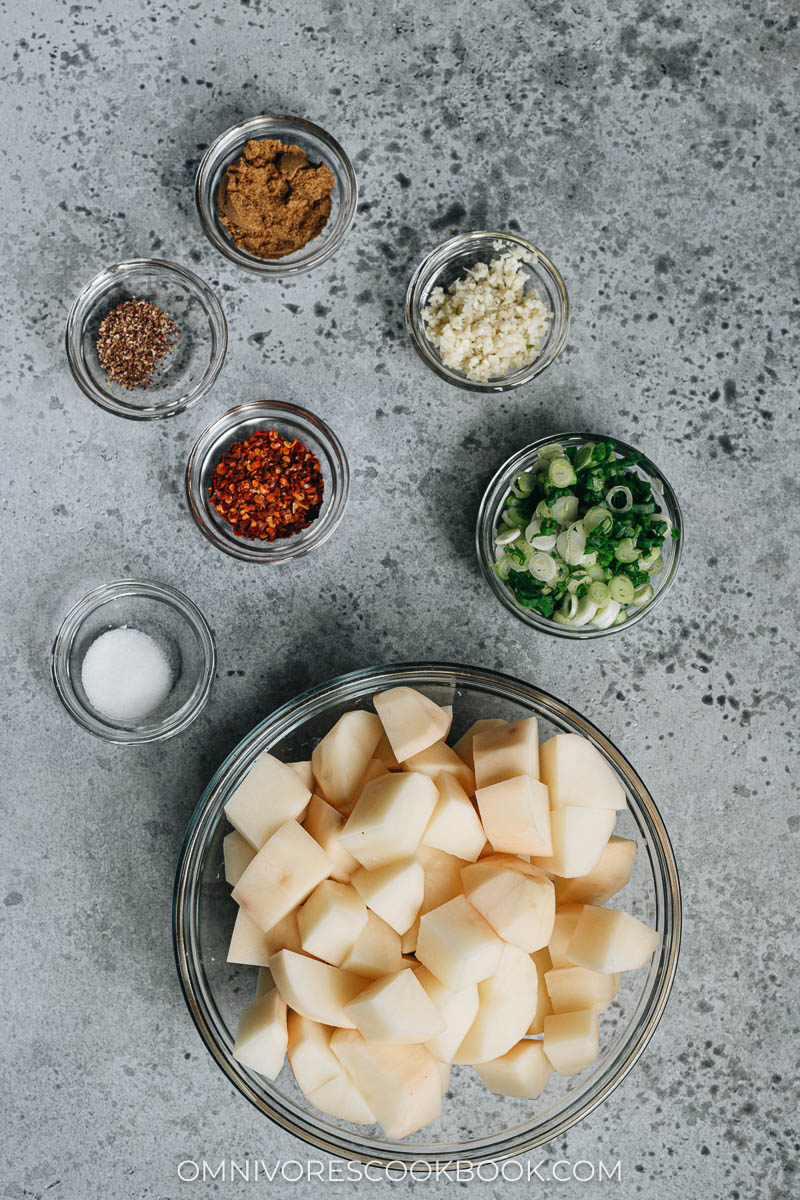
(134, 662)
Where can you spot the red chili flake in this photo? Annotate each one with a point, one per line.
(267, 486)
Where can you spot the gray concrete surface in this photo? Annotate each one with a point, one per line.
(651, 149)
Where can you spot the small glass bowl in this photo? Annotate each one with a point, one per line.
(320, 148)
(449, 262)
(475, 1125)
(292, 422)
(492, 506)
(177, 626)
(193, 365)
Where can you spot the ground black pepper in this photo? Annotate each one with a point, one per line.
(133, 340)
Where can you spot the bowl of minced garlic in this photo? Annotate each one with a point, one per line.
(276, 195)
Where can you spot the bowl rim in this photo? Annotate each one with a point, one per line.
(295, 712)
(206, 207)
(285, 549)
(68, 631)
(515, 464)
(113, 404)
(447, 250)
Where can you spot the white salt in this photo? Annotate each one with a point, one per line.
(125, 674)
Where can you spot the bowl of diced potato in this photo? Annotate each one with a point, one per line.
(426, 913)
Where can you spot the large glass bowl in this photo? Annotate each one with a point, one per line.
(451, 261)
(491, 509)
(475, 1125)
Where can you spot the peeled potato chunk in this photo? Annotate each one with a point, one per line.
(463, 747)
(457, 1010)
(524, 1071)
(286, 869)
(340, 759)
(609, 940)
(339, 1097)
(254, 946)
(397, 1009)
(438, 759)
(401, 1084)
(571, 1040)
(506, 1004)
(457, 945)
(577, 774)
(315, 989)
(579, 836)
(376, 951)
(269, 795)
(506, 751)
(393, 891)
(389, 818)
(442, 882)
(454, 826)
(325, 823)
(261, 1037)
(574, 988)
(319, 1074)
(412, 722)
(612, 872)
(330, 921)
(563, 928)
(543, 964)
(516, 815)
(516, 899)
(304, 772)
(237, 854)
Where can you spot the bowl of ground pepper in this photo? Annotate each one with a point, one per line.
(276, 195)
(146, 339)
(267, 481)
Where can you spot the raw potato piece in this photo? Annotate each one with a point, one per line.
(269, 795)
(255, 947)
(580, 835)
(444, 1073)
(261, 1037)
(330, 921)
(604, 881)
(315, 989)
(376, 951)
(286, 869)
(457, 1009)
(571, 1040)
(454, 826)
(577, 774)
(573, 988)
(563, 929)
(325, 824)
(523, 1072)
(609, 940)
(442, 883)
(516, 899)
(237, 854)
(340, 759)
(506, 1004)
(506, 752)
(393, 891)
(319, 1073)
(264, 982)
(516, 815)
(396, 1009)
(439, 759)
(389, 818)
(412, 721)
(463, 746)
(544, 1008)
(401, 1084)
(340, 1097)
(304, 772)
(385, 754)
(457, 945)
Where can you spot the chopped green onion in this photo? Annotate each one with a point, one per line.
(552, 450)
(565, 509)
(503, 539)
(642, 595)
(621, 589)
(585, 612)
(599, 593)
(543, 567)
(597, 518)
(625, 495)
(569, 606)
(626, 551)
(607, 616)
(584, 456)
(560, 472)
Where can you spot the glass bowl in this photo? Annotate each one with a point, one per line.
(290, 421)
(475, 1125)
(492, 506)
(193, 365)
(449, 262)
(179, 628)
(320, 148)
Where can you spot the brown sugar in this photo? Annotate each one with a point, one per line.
(272, 201)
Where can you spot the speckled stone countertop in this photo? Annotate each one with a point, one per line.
(652, 151)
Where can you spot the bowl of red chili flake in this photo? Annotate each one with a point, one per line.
(267, 481)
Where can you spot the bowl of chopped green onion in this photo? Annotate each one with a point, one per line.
(579, 536)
